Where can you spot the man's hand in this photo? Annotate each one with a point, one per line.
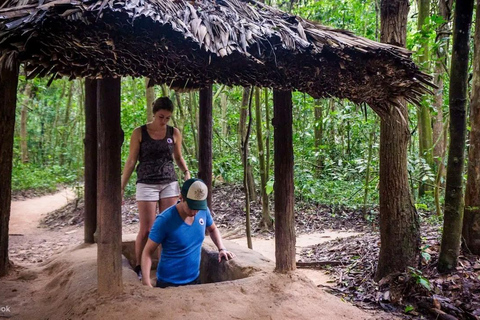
(224, 253)
(146, 282)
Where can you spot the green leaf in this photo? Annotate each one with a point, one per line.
(425, 283)
(269, 187)
(409, 308)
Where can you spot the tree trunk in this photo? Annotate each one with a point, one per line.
(65, 125)
(471, 220)
(371, 139)
(109, 255)
(453, 216)
(90, 156)
(242, 129)
(439, 147)
(266, 221)
(23, 121)
(205, 140)
(8, 101)
(246, 163)
(399, 224)
(150, 97)
(269, 134)
(424, 117)
(192, 110)
(318, 129)
(283, 187)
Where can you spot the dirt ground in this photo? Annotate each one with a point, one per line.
(54, 277)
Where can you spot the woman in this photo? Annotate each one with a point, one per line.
(154, 145)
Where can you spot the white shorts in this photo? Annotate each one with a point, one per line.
(155, 192)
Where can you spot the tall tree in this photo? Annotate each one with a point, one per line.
(8, 99)
(399, 225)
(424, 117)
(318, 131)
(442, 41)
(150, 96)
(242, 131)
(66, 124)
(27, 96)
(471, 220)
(453, 216)
(266, 222)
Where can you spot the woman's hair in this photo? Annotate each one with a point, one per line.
(163, 103)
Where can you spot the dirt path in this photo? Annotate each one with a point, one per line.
(267, 248)
(25, 215)
(33, 248)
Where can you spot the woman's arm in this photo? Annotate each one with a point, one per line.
(177, 154)
(132, 157)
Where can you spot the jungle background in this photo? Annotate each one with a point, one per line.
(336, 143)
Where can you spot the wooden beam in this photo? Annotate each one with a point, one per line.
(109, 202)
(90, 194)
(8, 102)
(283, 187)
(205, 139)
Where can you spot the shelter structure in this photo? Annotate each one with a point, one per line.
(187, 45)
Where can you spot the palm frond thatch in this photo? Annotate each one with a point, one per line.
(190, 44)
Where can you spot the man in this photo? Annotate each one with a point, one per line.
(180, 230)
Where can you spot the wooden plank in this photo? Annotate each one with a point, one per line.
(205, 139)
(109, 201)
(90, 194)
(8, 102)
(283, 187)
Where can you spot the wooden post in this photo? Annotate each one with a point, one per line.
(90, 194)
(205, 139)
(8, 101)
(283, 187)
(109, 202)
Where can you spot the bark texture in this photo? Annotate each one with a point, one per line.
(471, 220)
(267, 221)
(205, 139)
(399, 225)
(90, 193)
(283, 187)
(23, 121)
(109, 190)
(8, 100)
(453, 216)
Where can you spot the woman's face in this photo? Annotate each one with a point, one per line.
(162, 116)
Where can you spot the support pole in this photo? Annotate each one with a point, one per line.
(8, 103)
(283, 187)
(109, 255)
(90, 194)
(205, 140)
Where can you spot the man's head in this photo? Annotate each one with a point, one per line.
(195, 192)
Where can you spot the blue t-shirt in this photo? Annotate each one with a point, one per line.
(181, 245)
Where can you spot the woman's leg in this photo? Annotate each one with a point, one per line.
(168, 196)
(166, 203)
(146, 212)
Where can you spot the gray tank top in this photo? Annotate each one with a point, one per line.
(156, 159)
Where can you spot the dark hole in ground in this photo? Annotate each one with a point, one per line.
(210, 269)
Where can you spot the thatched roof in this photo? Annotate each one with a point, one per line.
(188, 44)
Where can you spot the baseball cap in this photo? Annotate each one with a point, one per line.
(195, 192)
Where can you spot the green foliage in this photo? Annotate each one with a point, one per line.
(30, 177)
(419, 278)
(409, 308)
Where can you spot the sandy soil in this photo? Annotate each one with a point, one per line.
(54, 277)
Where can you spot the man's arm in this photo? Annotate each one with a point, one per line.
(217, 239)
(146, 263)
